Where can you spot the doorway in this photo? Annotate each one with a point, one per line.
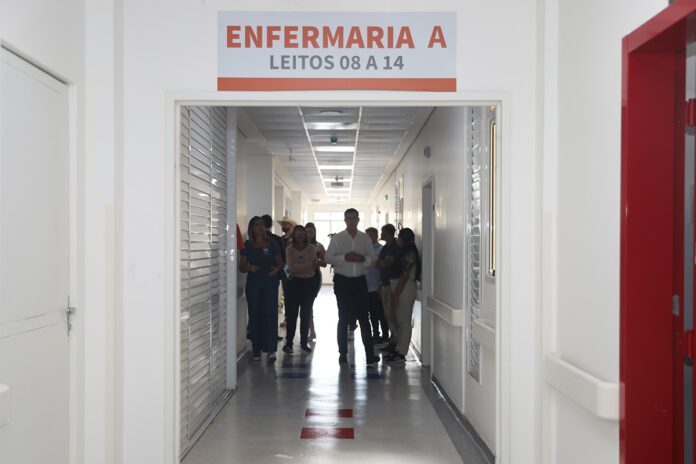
(451, 315)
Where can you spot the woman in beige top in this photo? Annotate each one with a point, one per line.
(302, 263)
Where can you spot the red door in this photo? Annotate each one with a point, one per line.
(654, 344)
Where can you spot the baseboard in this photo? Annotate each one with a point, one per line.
(461, 420)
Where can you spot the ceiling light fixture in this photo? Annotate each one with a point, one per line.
(336, 149)
(331, 125)
(327, 167)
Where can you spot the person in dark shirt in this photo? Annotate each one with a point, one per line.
(287, 225)
(388, 263)
(268, 223)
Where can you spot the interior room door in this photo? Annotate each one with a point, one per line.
(34, 264)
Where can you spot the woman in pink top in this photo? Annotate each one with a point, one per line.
(302, 263)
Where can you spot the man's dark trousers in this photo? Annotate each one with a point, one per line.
(351, 296)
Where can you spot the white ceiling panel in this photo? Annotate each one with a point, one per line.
(376, 139)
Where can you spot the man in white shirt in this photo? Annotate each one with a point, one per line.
(350, 253)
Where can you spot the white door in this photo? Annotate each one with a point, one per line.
(34, 264)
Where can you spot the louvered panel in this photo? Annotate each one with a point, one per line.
(199, 156)
(184, 268)
(203, 194)
(474, 244)
(199, 166)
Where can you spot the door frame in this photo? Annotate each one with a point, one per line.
(653, 113)
(174, 101)
(427, 344)
(75, 366)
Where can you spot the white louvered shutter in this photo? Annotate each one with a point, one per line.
(202, 263)
(474, 243)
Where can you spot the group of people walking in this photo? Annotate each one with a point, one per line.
(374, 285)
(374, 282)
(294, 260)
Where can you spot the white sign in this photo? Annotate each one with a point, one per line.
(337, 51)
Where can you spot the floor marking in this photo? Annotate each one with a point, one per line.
(313, 412)
(327, 432)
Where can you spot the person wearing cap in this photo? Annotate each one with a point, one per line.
(350, 253)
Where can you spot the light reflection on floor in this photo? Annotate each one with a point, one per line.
(393, 421)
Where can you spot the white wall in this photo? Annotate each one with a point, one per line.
(448, 135)
(50, 33)
(242, 208)
(79, 43)
(581, 209)
(169, 48)
(498, 56)
(299, 206)
(328, 207)
(260, 190)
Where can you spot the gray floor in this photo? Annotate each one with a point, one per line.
(394, 420)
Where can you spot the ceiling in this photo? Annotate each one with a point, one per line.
(336, 154)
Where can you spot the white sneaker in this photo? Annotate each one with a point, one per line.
(271, 357)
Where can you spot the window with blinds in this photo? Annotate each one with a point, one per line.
(202, 263)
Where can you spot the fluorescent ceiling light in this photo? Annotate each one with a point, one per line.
(327, 167)
(334, 148)
(331, 125)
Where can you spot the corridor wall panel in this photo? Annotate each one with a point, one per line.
(448, 134)
(202, 168)
(162, 61)
(583, 204)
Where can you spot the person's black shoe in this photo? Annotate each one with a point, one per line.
(287, 349)
(280, 338)
(372, 360)
(343, 359)
(306, 348)
(395, 358)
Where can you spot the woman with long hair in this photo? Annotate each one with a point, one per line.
(311, 231)
(261, 259)
(302, 263)
(404, 292)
